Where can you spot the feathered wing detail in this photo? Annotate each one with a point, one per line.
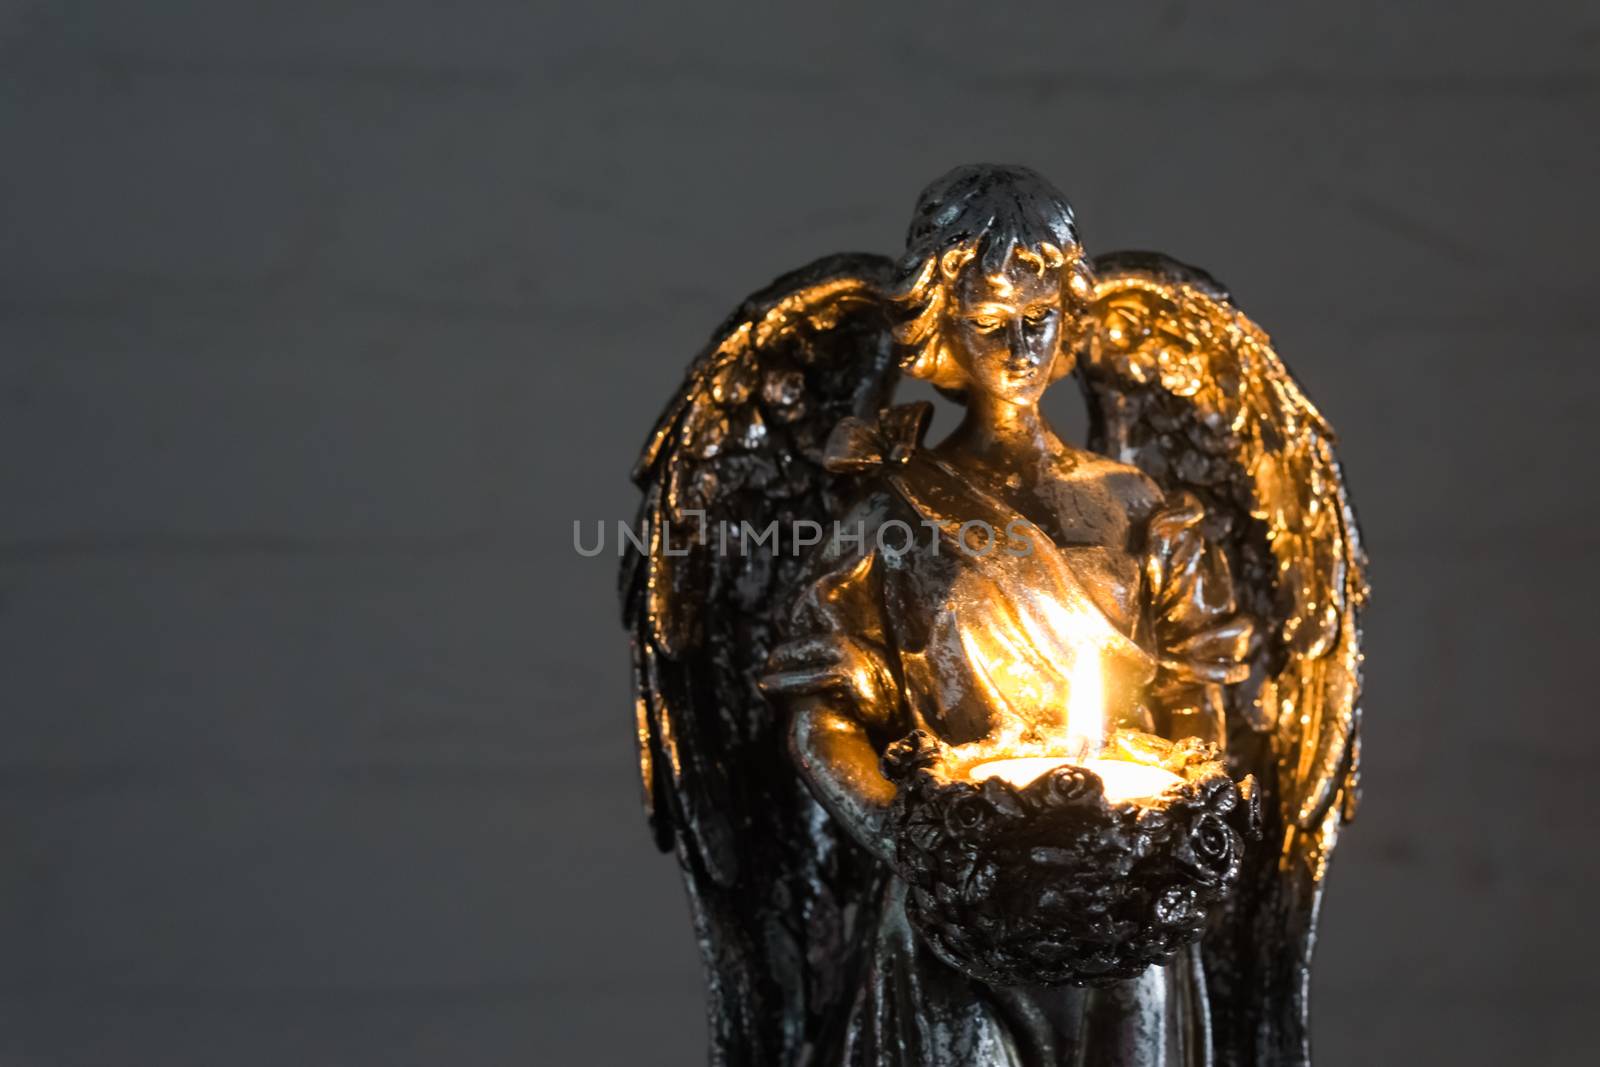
(739, 449)
(1183, 385)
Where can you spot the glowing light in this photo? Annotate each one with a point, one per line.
(1086, 698)
(1123, 781)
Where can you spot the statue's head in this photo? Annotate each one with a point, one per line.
(994, 284)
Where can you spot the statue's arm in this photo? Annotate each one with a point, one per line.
(835, 755)
(841, 694)
(840, 686)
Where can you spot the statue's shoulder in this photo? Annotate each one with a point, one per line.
(1129, 488)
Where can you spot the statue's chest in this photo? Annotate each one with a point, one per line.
(1092, 531)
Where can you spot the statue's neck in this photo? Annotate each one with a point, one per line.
(994, 429)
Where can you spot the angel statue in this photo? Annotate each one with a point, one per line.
(830, 616)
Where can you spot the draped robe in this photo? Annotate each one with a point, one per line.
(988, 629)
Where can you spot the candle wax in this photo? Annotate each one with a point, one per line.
(1123, 780)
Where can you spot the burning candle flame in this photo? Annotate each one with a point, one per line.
(1086, 700)
(1065, 652)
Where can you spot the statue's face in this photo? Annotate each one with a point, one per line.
(1007, 329)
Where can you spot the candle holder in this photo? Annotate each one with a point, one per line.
(865, 663)
(1053, 882)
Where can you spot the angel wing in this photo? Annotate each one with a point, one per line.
(1181, 384)
(738, 449)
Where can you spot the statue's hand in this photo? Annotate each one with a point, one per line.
(835, 664)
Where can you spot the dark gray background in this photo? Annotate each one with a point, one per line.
(320, 323)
